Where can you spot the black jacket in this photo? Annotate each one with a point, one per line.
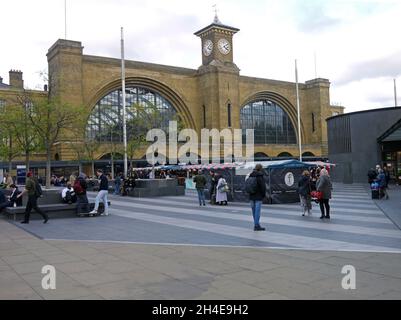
(304, 186)
(104, 183)
(2, 197)
(261, 188)
(13, 196)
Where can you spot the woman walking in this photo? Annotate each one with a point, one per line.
(381, 179)
(304, 190)
(221, 191)
(324, 186)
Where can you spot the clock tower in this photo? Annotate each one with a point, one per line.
(218, 77)
(217, 43)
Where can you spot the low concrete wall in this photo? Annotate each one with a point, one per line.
(151, 188)
(49, 196)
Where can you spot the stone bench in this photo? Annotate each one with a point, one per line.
(53, 208)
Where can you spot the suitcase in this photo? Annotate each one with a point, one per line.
(375, 194)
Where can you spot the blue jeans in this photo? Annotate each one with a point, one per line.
(256, 206)
(201, 196)
(117, 188)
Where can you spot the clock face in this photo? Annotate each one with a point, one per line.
(224, 46)
(207, 47)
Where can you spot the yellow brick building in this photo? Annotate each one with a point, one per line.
(214, 95)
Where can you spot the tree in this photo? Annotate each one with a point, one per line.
(49, 118)
(25, 135)
(91, 146)
(9, 148)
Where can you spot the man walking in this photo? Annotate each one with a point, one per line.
(256, 188)
(32, 188)
(102, 195)
(200, 181)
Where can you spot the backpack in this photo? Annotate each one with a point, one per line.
(78, 187)
(251, 185)
(38, 190)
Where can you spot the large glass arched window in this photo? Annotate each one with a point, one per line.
(271, 123)
(106, 123)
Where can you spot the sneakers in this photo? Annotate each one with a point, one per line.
(258, 228)
(93, 212)
(45, 221)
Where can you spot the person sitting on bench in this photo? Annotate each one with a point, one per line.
(12, 199)
(68, 194)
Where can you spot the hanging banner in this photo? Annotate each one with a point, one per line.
(21, 175)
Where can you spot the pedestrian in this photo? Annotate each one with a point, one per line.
(73, 176)
(117, 184)
(68, 194)
(8, 180)
(33, 189)
(200, 182)
(381, 179)
(255, 186)
(102, 194)
(221, 191)
(378, 169)
(324, 185)
(212, 190)
(3, 200)
(80, 187)
(372, 175)
(386, 172)
(304, 191)
(12, 199)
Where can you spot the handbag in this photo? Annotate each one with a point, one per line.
(318, 195)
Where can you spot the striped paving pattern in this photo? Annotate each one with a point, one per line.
(357, 224)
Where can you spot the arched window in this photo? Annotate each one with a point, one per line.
(308, 154)
(105, 123)
(260, 156)
(284, 155)
(271, 123)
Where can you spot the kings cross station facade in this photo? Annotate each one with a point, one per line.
(214, 96)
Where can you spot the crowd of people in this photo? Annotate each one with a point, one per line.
(379, 179)
(218, 189)
(315, 185)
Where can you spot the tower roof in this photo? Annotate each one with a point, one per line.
(217, 25)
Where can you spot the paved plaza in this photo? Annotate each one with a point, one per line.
(170, 248)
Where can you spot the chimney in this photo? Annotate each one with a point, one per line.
(16, 79)
(1, 80)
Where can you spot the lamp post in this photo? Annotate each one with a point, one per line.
(298, 112)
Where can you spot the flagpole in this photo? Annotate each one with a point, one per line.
(298, 112)
(65, 19)
(124, 104)
(395, 94)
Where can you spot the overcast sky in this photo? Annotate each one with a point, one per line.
(356, 43)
